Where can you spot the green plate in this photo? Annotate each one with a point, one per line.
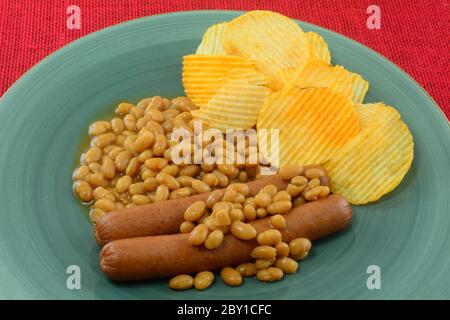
(43, 229)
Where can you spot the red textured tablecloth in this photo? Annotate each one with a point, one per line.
(415, 34)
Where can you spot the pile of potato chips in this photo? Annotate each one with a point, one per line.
(261, 69)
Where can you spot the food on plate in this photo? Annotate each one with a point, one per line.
(274, 42)
(313, 123)
(201, 71)
(319, 47)
(212, 40)
(376, 160)
(166, 217)
(169, 255)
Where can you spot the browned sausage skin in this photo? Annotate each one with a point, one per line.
(163, 217)
(167, 255)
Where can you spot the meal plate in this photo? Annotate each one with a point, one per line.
(44, 230)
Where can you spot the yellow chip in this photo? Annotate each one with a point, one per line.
(376, 160)
(312, 123)
(250, 75)
(199, 71)
(319, 47)
(372, 112)
(319, 74)
(235, 106)
(212, 40)
(274, 42)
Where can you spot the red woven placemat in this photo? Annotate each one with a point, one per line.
(415, 34)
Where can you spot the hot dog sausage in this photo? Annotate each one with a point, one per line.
(163, 217)
(167, 255)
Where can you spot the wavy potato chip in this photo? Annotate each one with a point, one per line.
(313, 123)
(212, 40)
(319, 47)
(376, 160)
(274, 42)
(236, 105)
(250, 75)
(200, 71)
(319, 74)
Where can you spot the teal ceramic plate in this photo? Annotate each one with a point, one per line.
(43, 229)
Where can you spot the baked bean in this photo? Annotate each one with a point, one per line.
(160, 145)
(242, 177)
(150, 184)
(229, 195)
(314, 173)
(200, 186)
(186, 227)
(263, 263)
(108, 168)
(261, 213)
(287, 265)
(221, 218)
(289, 172)
(223, 179)
(118, 126)
(181, 282)
(279, 207)
(120, 140)
(140, 199)
(213, 198)
(147, 173)
(94, 154)
(231, 276)
(269, 237)
(249, 212)
(167, 126)
(300, 256)
(317, 193)
(278, 222)
(263, 200)
(247, 269)
(100, 193)
(270, 274)
(270, 189)
(162, 193)
(239, 198)
(198, 235)
(115, 152)
(299, 245)
(156, 103)
(145, 155)
(136, 188)
(136, 112)
(124, 108)
(214, 239)
(105, 205)
(282, 196)
(222, 205)
(203, 280)
(123, 183)
(180, 193)
(83, 191)
(237, 205)
(243, 231)
(155, 115)
(95, 167)
(133, 167)
(170, 114)
(195, 211)
(282, 249)
(313, 183)
(122, 161)
(81, 172)
(168, 180)
(191, 170)
(171, 170)
(236, 214)
(227, 169)
(143, 142)
(104, 139)
(185, 181)
(208, 167)
(240, 187)
(211, 179)
(95, 214)
(99, 127)
(294, 190)
(130, 122)
(249, 200)
(156, 164)
(97, 180)
(298, 202)
(264, 252)
(299, 181)
(141, 125)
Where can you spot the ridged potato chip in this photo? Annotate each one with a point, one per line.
(313, 123)
(250, 75)
(319, 74)
(200, 71)
(376, 160)
(319, 47)
(236, 105)
(274, 42)
(212, 40)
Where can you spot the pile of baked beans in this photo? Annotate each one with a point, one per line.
(128, 162)
(209, 221)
